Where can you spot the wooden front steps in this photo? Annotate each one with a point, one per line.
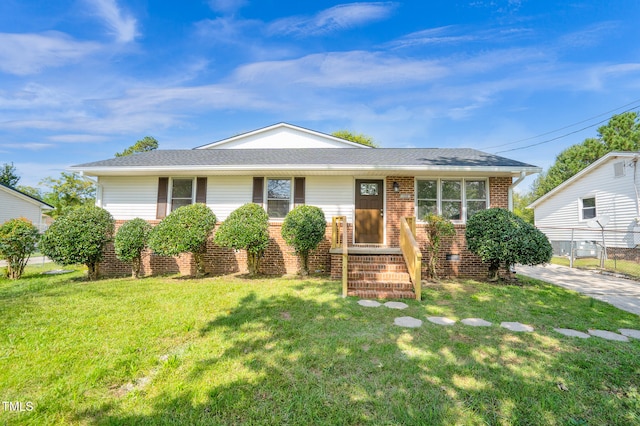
(378, 274)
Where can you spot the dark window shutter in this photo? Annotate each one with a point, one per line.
(298, 191)
(258, 190)
(163, 189)
(201, 190)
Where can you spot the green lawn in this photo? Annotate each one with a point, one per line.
(631, 269)
(285, 351)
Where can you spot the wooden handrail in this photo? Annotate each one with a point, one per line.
(411, 253)
(339, 239)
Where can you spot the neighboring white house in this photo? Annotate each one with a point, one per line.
(14, 204)
(607, 189)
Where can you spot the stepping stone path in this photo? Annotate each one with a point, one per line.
(630, 333)
(516, 326)
(572, 333)
(411, 322)
(396, 305)
(441, 320)
(408, 322)
(476, 322)
(609, 335)
(369, 303)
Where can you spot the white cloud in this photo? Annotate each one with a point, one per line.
(122, 25)
(31, 146)
(333, 19)
(23, 54)
(78, 138)
(342, 69)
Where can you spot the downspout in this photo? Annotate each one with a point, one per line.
(513, 185)
(635, 186)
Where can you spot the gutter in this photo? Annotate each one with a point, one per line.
(513, 185)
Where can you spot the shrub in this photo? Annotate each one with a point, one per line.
(499, 237)
(436, 228)
(18, 239)
(184, 230)
(246, 228)
(130, 242)
(304, 229)
(79, 236)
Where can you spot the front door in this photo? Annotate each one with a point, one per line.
(369, 211)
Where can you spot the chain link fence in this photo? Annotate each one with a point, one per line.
(609, 250)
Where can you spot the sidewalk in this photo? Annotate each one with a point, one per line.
(620, 292)
(39, 260)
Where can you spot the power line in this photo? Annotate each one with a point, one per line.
(566, 127)
(563, 136)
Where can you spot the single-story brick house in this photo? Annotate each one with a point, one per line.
(282, 166)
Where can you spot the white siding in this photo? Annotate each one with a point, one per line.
(615, 197)
(13, 206)
(227, 193)
(333, 194)
(130, 197)
(282, 138)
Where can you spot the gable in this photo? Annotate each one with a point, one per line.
(282, 136)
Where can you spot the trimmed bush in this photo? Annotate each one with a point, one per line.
(436, 228)
(246, 228)
(304, 229)
(501, 238)
(79, 236)
(130, 242)
(184, 230)
(18, 239)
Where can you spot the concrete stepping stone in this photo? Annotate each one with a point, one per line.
(516, 326)
(409, 322)
(396, 305)
(609, 335)
(441, 320)
(630, 332)
(572, 333)
(369, 303)
(476, 322)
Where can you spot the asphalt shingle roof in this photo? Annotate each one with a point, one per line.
(425, 157)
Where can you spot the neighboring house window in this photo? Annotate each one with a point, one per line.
(181, 193)
(278, 197)
(454, 199)
(588, 208)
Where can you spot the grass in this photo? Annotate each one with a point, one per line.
(626, 267)
(230, 350)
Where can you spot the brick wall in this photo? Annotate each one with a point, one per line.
(278, 259)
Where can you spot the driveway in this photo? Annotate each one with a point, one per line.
(620, 292)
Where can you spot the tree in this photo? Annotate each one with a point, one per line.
(130, 242)
(8, 175)
(436, 228)
(357, 138)
(145, 144)
(31, 191)
(18, 239)
(501, 238)
(185, 230)
(520, 203)
(303, 229)
(246, 228)
(621, 133)
(79, 236)
(67, 192)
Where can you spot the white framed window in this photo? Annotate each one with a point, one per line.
(588, 208)
(182, 192)
(278, 196)
(454, 199)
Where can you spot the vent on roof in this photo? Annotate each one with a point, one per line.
(618, 169)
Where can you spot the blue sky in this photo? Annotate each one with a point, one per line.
(83, 79)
